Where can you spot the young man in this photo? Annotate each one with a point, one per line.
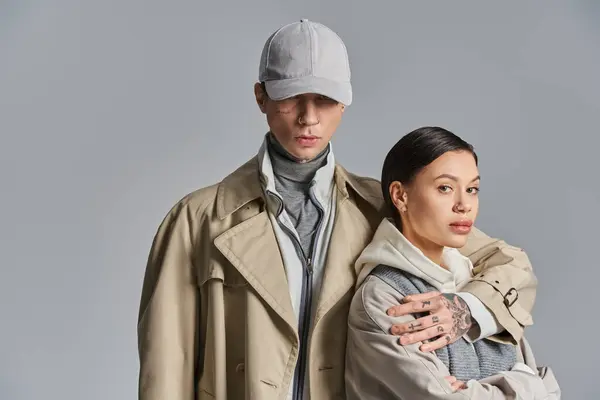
(248, 281)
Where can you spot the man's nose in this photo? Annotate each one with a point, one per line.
(309, 114)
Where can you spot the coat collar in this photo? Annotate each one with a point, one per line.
(244, 185)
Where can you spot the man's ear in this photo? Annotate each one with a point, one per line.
(261, 97)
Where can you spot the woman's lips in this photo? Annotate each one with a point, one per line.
(461, 227)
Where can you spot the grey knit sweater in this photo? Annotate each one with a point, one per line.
(293, 181)
(463, 359)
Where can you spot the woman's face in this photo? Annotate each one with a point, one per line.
(441, 204)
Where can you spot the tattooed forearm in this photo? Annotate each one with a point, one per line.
(461, 315)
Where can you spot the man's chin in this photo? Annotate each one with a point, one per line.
(304, 155)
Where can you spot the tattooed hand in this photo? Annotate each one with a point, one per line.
(461, 315)
(446, 318)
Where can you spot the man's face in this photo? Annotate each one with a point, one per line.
(303, 124)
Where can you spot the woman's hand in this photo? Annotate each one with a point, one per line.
(455, 383)
(449, 319)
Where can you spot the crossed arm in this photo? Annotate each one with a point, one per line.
(496, 302)
(378, 367)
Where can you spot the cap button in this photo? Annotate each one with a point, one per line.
(303, 20)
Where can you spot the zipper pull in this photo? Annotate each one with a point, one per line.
(309, 266)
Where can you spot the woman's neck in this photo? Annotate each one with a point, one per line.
(431, 250)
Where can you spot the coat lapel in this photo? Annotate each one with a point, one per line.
(251, 247)
(351, 233)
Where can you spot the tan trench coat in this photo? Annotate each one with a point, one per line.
(216, 320)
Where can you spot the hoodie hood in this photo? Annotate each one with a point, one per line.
(390, 247)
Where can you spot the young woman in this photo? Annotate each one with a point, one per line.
(430, 181)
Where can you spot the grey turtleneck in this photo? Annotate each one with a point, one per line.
(293, 181)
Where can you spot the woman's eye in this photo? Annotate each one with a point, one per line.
(444, 188)
(473, 190)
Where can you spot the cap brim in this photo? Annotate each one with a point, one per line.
(286, 88)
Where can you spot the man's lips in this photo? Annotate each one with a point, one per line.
(306, 140)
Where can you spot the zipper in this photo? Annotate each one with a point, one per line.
(306, 297)
(305, 311)
(307, 307)
(305, 325)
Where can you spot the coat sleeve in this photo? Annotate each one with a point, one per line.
(504, 282)
(168, 312)
(378, 367)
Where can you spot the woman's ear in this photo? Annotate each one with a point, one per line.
(398, 196)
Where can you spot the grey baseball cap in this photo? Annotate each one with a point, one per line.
(305, 57)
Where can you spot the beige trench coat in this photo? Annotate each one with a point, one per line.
(216, 319)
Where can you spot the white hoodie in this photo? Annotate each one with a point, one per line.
(389, 247)
(378, 367)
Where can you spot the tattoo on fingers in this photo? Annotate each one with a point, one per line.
(413, 326)
(435, 319)
(440, 329)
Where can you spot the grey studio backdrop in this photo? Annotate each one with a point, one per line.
(110, 111)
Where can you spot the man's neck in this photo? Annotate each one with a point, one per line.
(290, 167)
